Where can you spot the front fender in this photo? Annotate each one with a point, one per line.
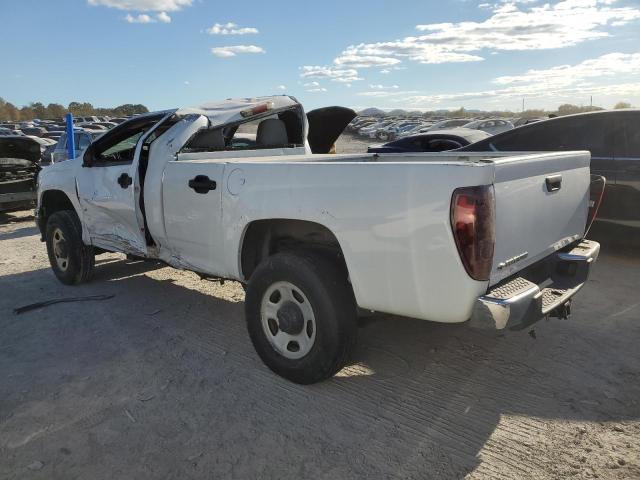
(60, 177)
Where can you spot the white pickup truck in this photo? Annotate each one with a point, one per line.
(237, 190)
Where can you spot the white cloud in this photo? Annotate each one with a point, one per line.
(335, 74)
(612, 64)
(233, 50)
(281, 87)
(143, 5)
(230, 28)
(311, 84)
(186, 82)
(316, 90)
(568, 82)
(163, 17)
(540, 96)
(364, 61)
(511, 26)
(608, 78)
(142, 18)
(387, 93)
(383, 87)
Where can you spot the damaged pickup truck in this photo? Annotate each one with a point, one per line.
(19, 167)
(245, 190)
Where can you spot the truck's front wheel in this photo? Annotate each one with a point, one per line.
(301, 316)
(71, 260)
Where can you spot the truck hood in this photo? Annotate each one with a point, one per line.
(325, 126)
(19, 152)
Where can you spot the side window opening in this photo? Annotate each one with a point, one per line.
(119, 145)
(283, 129)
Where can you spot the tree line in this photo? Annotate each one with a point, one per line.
(564, 109)
(55, 111)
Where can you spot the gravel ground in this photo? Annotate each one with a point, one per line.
(162, 382)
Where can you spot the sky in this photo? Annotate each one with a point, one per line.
(411, 54)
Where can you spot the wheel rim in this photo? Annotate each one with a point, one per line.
(60, 249)
(288, 320)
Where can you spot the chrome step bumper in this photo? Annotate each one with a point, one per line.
(523, 300)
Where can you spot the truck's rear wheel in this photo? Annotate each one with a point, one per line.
(301, 316)
(71, 260)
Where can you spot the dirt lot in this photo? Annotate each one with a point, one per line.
(162, 382)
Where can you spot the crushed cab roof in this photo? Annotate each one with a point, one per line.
(226, 111)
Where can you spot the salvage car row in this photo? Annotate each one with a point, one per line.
(26, 147)
(391, 127)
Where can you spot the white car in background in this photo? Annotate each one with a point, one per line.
(390, 131)
(371, 130)
(492, 126)
(448, 124)
(422, 128)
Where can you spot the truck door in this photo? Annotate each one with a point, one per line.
(192, 200)
(109, 186)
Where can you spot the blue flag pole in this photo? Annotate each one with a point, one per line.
(71, 144)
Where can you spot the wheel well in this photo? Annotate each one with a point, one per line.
(52, 201)
(267, 237)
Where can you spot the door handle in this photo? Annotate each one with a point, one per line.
(554, 183)
(202, 184)
(125, 180)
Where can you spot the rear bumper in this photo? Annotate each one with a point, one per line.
(544, 289)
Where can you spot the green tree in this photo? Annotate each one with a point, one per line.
(621, 105)
(9, 112)
(129, 109)
(39, 110)
(26, 113)
(55, 111)
(568, 109)
(82, 109)
(12, 112)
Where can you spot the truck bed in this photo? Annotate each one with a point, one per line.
(390, 214)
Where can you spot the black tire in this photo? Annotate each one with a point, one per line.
(331, 298)
(80, 257)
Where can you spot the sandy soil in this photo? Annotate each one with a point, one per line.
(162, 382)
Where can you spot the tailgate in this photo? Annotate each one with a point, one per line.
(541, 206)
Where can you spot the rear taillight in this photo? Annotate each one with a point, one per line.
(473, 225)
(596, 193)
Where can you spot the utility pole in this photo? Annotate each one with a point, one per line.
(523, 105)
(591, 104)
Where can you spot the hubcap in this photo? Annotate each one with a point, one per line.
(288, 320)
(60, 250)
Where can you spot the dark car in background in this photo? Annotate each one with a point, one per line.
(19, 167)
(436, 141)
(36, 131)
(612, 137)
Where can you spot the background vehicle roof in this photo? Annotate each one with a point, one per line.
(469, 134)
